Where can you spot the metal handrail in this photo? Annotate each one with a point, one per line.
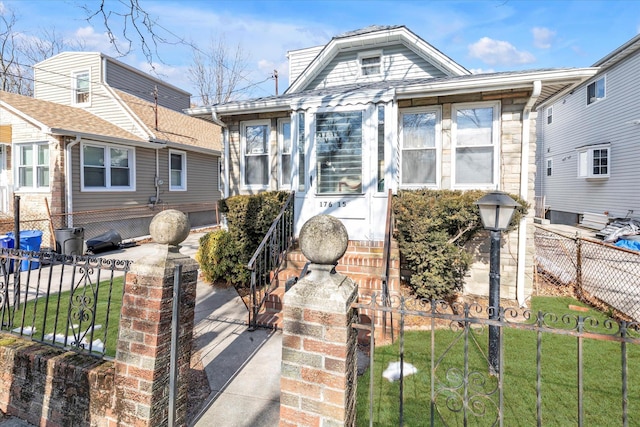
(386, 258)
(267, 259)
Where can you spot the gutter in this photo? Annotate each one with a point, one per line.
(68, 181)
(524, 189)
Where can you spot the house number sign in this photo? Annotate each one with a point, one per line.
(330, 204)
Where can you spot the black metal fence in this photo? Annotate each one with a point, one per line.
(599, 273)
(65, 301)
(554, 369)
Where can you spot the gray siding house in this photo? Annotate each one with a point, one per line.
(380, 109)
(101, 136)
(589, 144)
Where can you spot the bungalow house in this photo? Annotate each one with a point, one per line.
(380, 108)
(588, 157)
(107, 146)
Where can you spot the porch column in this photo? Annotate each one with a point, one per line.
(144, 346)
(318, 380)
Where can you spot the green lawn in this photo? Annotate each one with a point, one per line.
(602, 398)
(51, 316)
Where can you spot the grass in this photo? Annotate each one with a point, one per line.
(42, 314)
(602, 398)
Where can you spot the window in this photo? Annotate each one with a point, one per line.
(302, 174)
(549, 167)
(595, 91)
(339, 152)
(594, 162)
(475, 139)
(33, 166)
(81, 88)
(106, 167)
(420, 142)
(284, 142)
(370, 63)
(549, 115)
(381, 171)
(177, 170)
(255, 139)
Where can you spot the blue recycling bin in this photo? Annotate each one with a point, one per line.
(7, 243)
(30, 240)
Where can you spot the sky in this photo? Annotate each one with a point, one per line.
(482, 36)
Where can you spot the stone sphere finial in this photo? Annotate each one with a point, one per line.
(169, 227)
(323, 239)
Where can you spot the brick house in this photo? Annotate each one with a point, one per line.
(100, 136)
(380, 108)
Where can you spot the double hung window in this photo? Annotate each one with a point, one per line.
(370, 63)
(177, 170)
(420, 142)
(475, 137)
(255, 164)
(107, 167)
(82, 88)
(33, 166)
(284, 140)
(596, 91)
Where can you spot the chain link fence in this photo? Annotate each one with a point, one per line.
(130, 222)
(598, 273)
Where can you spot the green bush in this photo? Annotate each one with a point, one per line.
(218, 255)
(432, 228)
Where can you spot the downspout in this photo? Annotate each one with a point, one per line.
(524, 190)
(225, 144)
(68, 179)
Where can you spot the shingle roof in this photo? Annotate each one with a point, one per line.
(174, 126)
(57, 116)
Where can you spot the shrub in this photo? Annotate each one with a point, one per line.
(432, 228)
(218, 256)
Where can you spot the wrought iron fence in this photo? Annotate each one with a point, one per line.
(554, 368)
(64, 301)
(599, 273)
(266, 262)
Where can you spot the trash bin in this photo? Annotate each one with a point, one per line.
(7, 243)
(104, 242)
(70, 241)
(30, 240)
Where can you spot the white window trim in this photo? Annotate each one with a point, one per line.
(496, 142)
(588, 151)
(370, 54)
(74, 79)
(281, 123)
(438, 147)
(595, 81)
(183, 155)
(108, 187)
(243, 145)
(548, 171)
(16, 162)
(550, 115)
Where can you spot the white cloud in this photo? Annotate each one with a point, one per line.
(99, 42)
(482, 70)
(542, 37)
(498, 52)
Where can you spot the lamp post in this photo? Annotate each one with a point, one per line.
(496, 210)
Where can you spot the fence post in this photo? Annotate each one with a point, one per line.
(578, 265)
(144, 344)
(318, 380)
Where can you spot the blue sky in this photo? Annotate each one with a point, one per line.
(493, 35)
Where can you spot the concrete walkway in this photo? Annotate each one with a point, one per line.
(243, 367)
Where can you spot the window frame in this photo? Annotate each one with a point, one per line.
(550, 115)
(74, 85)
(107, 161)
(437, 148)
(595, 99)
(243, 153)
(495, 144)
(585, 154)
(183, 172)
(281, 123)
(35, 166)
(368, 55)
(549, 167)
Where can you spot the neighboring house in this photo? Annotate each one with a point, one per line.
(378, 109)
(89, 142)
(589, 143)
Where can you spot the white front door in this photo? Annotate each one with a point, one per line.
(339, 172)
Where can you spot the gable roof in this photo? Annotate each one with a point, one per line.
(55, 118)
(173, 127)
(619, 54)
(372, 36)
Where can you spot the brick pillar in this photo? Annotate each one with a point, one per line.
(144, 346)
(318, 381)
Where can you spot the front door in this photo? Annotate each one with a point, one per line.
(339, 176)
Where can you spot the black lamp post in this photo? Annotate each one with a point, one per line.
(496, 210)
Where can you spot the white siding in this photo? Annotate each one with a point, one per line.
(577, 124)
(300, 59)
(398, 62)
